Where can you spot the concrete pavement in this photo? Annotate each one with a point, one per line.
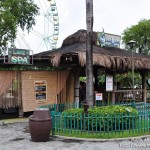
(14, 135)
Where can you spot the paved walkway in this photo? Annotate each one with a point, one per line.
(15, 135)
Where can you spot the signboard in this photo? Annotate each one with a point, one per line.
(109, 83)
(40, 90)
(109, 40)
(99, 96)
(19, 56)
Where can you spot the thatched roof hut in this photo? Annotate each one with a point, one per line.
(74, 49)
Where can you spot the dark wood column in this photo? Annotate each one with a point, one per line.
(143, 74)
(113, 92)
(20, 93)
(96, 79)
(76, 86)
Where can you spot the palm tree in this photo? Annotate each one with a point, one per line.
(89, 53)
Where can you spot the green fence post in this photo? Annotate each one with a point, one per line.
(53, 125)
(55, 107)
(133, 104)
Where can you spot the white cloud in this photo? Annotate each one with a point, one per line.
(113, 15)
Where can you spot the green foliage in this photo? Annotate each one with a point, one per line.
(126, 80)
(101, 79)
(13, 14)
(104, 110)
(83, 79)
(33, 67)
(106, 118)
(139, 33)
(73, 111)
(112, 110)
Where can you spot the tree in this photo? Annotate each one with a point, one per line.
(14, 14)
(125, 80)
(139, 33)
(89, 53)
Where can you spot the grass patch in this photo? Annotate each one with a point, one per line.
(143, 128)
(103, 135)
(102, 123)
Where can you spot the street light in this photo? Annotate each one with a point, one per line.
(131, 44)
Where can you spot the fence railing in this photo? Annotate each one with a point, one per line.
(101, 126)
(141, 107)
(60, 107)
(127, 95)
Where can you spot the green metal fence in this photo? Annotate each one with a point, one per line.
(60, 107)
(141, 107)
(107, 126)
(103, 126)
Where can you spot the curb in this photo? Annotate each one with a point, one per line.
(103, 140)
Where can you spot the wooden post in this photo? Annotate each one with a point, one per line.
(113, 92)
(96, 87)
(20, 94)
(96, 79)
(144, 87)
(76, 87)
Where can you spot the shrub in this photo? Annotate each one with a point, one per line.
(106, 118)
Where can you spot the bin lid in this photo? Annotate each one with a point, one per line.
(41, 113)
(44, 109)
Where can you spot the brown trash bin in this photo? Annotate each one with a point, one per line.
(40, 125)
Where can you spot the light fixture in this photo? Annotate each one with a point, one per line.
(69, 58)
(131, 45)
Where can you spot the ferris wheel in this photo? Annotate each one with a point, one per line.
(44, 35)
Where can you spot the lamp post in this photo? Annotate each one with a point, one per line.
(131, 44)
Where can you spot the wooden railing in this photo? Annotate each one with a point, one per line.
(148, 95)
(128, 95)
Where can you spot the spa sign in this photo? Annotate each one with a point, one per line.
(19, 56)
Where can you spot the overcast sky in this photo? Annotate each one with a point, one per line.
(112, 15)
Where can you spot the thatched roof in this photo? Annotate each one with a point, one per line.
(78, 37)
(108, 57)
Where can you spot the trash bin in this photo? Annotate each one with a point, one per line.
(40, 125)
